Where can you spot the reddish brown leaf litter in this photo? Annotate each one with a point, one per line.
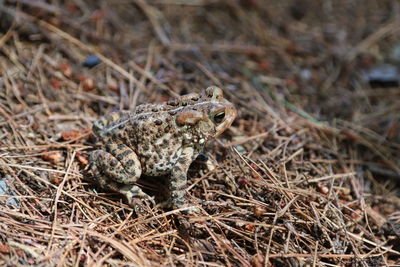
(308, 174)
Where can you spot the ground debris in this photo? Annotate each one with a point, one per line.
(308, 174)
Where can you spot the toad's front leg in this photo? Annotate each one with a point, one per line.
(179, 178)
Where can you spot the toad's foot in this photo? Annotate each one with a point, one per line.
(137, 199)
(141, 205)
(186, 209)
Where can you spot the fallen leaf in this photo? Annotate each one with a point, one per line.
(53, 156)
(65, 69)
(74, 134)
(83, 159)
(55, 83)
(4, 249)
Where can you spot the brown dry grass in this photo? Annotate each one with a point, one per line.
(308, 173)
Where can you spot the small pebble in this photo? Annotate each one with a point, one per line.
(5, 190)
(91, 61)
(384, 75)
(305, 74)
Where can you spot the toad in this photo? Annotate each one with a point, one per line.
(157, 140)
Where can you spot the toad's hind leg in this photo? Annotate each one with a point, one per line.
(117, 169)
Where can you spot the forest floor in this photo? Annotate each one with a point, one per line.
(308, 174)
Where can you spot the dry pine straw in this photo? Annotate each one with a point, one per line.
(285, 188)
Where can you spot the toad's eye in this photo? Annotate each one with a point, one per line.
(219, 117)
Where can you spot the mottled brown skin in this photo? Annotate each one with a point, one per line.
(158, 139)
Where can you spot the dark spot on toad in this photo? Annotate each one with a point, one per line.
(172, 103)
(182, 160)
(121, 146)
(125, 153)
(155, 158)
(176, 169)
(130, 163)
